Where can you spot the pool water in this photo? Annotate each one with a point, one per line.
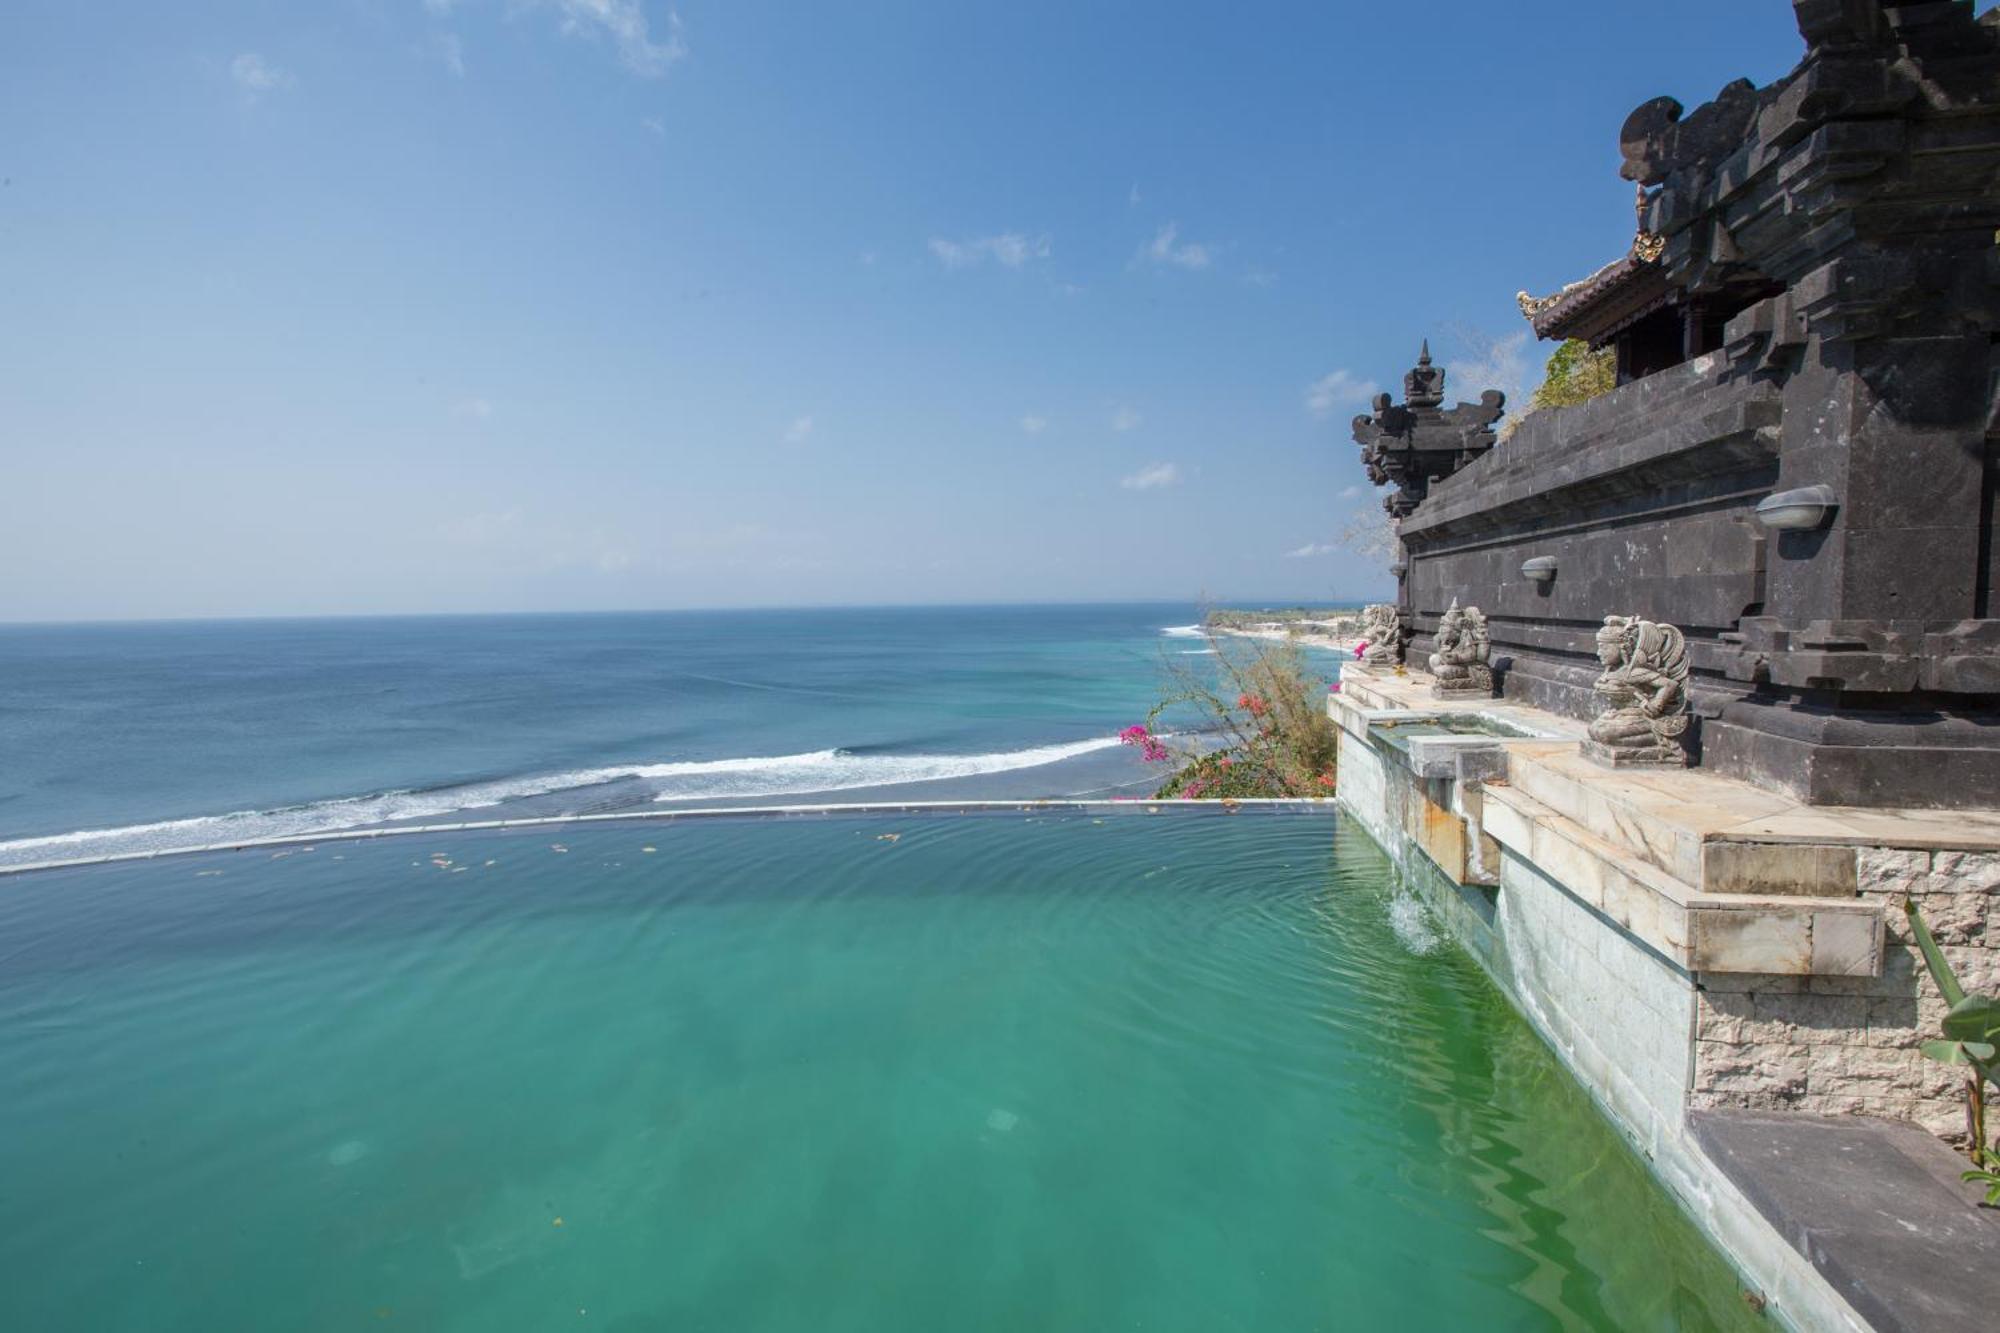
(1177, 1072)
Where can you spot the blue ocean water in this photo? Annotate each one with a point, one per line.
(142, 736)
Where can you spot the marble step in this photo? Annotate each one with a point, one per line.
(1691, 824)
(1780, 934)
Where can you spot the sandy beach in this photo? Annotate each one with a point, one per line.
(1308, 633)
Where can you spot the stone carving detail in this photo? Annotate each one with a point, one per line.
(1383, 630)
(1418, 441)
(1644, 688)
(1459, 667)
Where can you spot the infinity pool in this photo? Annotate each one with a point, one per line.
(1178, 1072)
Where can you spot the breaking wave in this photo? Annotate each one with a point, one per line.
(692, 780)
(1184, 632)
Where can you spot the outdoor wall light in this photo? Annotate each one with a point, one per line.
(1542, 569)
(1796, 511)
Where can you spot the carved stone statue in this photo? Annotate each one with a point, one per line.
(1383, 630)
(1644, 687)
(1459, 668)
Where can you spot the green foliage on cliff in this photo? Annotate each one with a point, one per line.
(1576, 375)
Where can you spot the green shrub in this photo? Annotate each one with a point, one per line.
(1263, 730)
(1575, 374)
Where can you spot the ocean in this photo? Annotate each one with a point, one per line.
(139, 737)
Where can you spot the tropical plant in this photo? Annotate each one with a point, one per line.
(1263, 728)
(1575, 374)
(1971, 1028)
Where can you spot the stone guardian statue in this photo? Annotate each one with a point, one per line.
(1644, 689)
(1383, 630)
(1459, 667)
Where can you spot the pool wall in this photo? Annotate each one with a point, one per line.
(1621, 1016)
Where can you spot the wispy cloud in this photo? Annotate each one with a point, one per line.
(472, 409)
(654, 126)
(1485, 362)
(1033, 424)
(1152, 477)
(1011, 249)
(1260, 277)
(624, 24)
(452, 51)
(1168, 248)
(1311, 549)
(1349, 492)
(1126, 418)
(1134, 199)
(1329, 393)
(799, 430)
(257, 76)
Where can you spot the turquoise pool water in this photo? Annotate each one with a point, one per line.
(1178, 1072)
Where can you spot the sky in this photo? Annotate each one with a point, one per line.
(403, 306)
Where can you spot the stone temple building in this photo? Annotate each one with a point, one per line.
(1800, 468)
(1691, 692)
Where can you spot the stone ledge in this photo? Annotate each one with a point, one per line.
(1778, 935)
(1875, 1205)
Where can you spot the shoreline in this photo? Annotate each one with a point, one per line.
(1343, 643)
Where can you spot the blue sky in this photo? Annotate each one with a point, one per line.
(468, 305)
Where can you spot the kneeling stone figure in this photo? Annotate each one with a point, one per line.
(1644, 688)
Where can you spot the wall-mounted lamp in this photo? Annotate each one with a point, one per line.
(1801, 510)
(1542, 569)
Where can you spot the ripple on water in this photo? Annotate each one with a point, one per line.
(1171, 1072)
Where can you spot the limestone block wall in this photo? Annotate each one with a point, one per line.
(1619, 1013)
(1845, 1046)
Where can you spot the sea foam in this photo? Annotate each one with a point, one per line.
(690, 780)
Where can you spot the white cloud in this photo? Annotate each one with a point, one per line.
(452, 51)
(1011, 249)
(1339, 389)
(1260, 277)
(654, 126)
(797, 432)
(257, 76)
(1311, 549)
(475, 409)
(1166, 250)
(1349, 492)
(1125, 419)
(1134, 199)
(1033, 424)
(1152, 477)
(624, 22)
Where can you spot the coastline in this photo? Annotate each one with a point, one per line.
(1314, 638)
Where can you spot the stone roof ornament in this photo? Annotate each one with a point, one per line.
(1424, 385)
(1644, 689)
(1419, 441)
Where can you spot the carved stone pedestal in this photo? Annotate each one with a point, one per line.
(1611, 756)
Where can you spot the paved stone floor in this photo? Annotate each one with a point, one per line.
(1878, 1208)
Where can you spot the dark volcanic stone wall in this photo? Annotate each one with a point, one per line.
(1642, 497)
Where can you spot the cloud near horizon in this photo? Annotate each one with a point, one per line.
(1152, 477)
(1009, 249)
